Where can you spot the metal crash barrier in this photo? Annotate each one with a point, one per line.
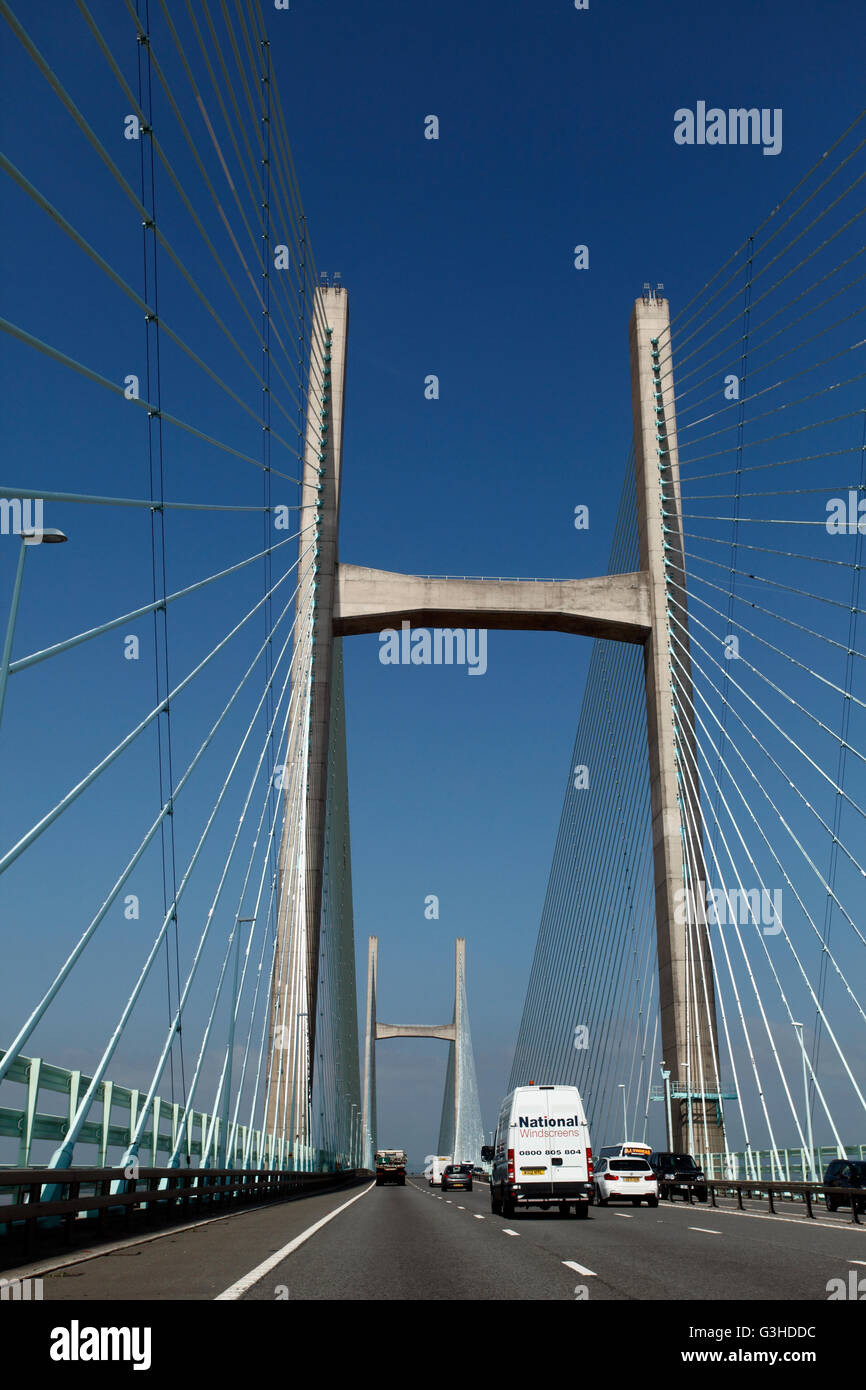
(104, 1194)
(773, 1191)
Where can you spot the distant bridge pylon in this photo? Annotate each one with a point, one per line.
(460, 1131)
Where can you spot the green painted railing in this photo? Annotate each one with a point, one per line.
(761, 1165)
(121, 1109)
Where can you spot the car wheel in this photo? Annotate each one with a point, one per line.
(495, 1203)
(508, 1207)
(635, 1201)
(652, 1201)
(469, 1188)
(602, 1201)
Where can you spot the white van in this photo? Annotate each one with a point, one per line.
(542, 1154)
(434, 1168)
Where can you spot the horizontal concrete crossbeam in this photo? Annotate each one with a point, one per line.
(614, 606)
(447, 1031)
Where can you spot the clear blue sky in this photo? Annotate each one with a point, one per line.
(556, 128)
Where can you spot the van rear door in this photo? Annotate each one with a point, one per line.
(550, 1137)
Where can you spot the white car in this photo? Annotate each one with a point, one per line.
(625, 1180)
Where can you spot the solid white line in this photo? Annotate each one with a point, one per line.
(507, 1232)
(580, 1269)
(705, 1230)
(791, 1220)
(235, 1290)
(96, 1252)
(857, 1262)
(477, 1217)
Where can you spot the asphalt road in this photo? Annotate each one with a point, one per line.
(415, 1243)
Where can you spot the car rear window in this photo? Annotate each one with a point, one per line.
(629, 1165)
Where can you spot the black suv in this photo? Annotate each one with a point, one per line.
(678, 1173)
(845, 1172)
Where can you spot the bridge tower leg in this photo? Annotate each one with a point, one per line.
(302, 848)
(686, 994)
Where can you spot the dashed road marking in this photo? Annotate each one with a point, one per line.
(580, 1269)
(506, 1231)
(705, 1230)
(627, 1216)
(477, 1216)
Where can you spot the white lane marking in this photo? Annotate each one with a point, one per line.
(82, 1256)
(461, 1208)
(857, 1262)
(235, 1290)
(477, 1217)
(507, 1232)
(626, 1215)
(580, 1269)
(448, 1200)
(795, 1220)
(705, 1230)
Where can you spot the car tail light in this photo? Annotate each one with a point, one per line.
(589, 1163)
(611, 1177)
(511, 1165)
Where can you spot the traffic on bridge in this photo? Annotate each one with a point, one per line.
(433, 751)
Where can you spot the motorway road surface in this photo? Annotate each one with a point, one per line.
(415, 1243)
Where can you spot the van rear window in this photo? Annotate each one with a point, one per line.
(629, 1165)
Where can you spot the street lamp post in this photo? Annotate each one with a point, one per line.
(352, 1143)
(666, 1077)
(799, 1031)
(621, 1087)
(689, 1104)
(49, 537)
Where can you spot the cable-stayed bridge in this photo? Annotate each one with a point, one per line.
(705, 901)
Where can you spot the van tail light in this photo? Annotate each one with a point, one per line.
(511, 1165)
(589, 1163)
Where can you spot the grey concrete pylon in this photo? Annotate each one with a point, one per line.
(294, 988)
(691, 1053)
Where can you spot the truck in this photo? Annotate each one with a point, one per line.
(391, 1167)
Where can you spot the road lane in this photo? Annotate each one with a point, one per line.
(409, 1242)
